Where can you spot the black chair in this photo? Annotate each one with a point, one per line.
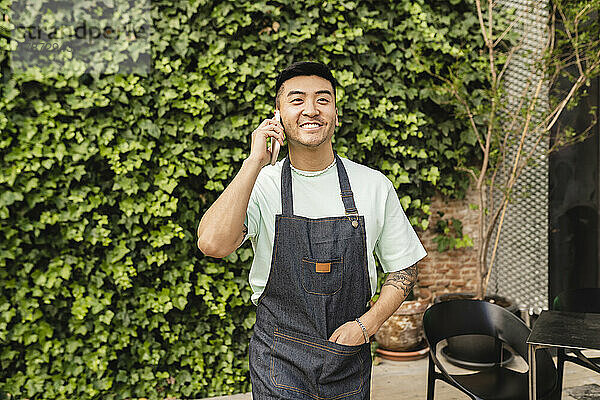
(586, 300)
(474, 317)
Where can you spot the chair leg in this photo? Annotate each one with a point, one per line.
(430, 379)
(560, 366)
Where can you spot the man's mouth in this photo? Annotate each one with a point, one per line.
(311, 125)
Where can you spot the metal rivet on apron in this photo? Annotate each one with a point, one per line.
(354, 222)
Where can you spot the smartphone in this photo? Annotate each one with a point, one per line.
(275, 146)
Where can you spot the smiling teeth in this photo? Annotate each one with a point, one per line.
(310, 125)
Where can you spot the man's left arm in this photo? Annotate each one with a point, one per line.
(394, 290)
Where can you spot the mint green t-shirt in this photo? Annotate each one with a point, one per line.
(316, 195)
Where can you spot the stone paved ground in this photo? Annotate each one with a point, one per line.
(398, 380)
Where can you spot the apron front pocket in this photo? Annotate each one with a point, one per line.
(322, 277)
(318, 368)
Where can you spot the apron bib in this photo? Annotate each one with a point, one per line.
(317, 282)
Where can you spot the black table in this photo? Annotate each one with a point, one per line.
(561, 329)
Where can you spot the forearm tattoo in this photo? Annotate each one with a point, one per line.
(403, 280)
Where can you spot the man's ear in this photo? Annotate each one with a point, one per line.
(337, 121)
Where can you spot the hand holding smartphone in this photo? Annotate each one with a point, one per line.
(275, 146)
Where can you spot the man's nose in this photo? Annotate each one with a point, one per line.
(310, 109)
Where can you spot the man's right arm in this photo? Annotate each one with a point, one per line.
(221, 229)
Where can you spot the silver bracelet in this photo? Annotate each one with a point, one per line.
(365, 334)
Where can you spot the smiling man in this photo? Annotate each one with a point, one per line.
(315, 220)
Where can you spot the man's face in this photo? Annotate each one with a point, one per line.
(308, 112)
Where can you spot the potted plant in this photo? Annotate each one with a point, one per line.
(468, 351)
(512, 134)
(401, 336)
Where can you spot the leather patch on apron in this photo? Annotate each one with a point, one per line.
(322, 267)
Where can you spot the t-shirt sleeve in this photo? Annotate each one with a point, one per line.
(252, 220)
(398, 245)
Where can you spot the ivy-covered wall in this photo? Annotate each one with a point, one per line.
(103, 180)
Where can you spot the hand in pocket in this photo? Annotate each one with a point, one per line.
(349, 334)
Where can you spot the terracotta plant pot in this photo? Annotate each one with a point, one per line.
(403, 355)
(404, 329)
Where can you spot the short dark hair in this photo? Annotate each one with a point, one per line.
(304, 68)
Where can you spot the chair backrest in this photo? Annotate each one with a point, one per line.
(584, 300)
(476, 317)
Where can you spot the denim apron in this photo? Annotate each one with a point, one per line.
(317, 282)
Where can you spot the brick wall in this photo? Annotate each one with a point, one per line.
(452, 270)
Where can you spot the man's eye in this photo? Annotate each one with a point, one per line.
(323, 99)
(296, 100)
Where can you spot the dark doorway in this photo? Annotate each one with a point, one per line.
(574, 204)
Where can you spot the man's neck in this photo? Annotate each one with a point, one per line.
(307, 159)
